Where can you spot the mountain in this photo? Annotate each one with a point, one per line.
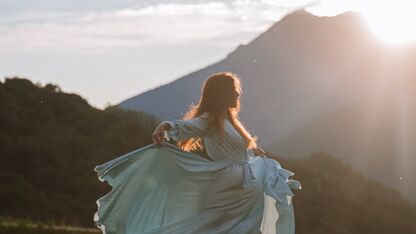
(300, 71)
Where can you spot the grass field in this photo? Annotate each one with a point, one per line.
(22, 226)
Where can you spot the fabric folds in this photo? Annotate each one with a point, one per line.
(160, 188)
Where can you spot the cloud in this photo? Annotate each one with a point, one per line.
(171, 23)
(175, 9)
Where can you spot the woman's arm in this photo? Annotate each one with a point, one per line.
(180, 129)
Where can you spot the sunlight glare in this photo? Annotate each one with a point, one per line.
(391, 21)
(392, 25)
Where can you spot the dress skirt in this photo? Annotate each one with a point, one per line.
(161, 188)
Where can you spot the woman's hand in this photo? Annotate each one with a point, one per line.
(259, 152)
(158, 134)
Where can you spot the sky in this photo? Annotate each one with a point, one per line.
(110, 50)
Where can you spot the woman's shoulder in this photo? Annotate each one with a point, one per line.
(205, 114)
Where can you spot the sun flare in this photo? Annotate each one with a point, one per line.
(392, 21)
(392, 26)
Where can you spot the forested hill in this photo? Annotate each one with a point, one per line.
(51, 141)
(336, 199)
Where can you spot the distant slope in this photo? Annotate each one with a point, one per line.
(375, 135)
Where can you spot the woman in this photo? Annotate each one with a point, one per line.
(163, 188)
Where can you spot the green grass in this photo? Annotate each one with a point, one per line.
(11, 225)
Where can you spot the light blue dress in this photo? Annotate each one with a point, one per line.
(164, 189)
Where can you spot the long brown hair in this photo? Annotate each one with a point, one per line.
(217, 93)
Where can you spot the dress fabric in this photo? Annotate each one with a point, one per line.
(160, 188)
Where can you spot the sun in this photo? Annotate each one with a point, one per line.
(394, 26)
(392, 21)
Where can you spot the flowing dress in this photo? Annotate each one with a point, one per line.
(160, 188)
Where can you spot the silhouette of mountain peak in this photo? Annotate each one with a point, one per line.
(304, 32)
(303, 24)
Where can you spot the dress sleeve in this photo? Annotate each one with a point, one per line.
(250, 152)
(184, 129)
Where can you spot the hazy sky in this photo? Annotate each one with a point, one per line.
(110, 50)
